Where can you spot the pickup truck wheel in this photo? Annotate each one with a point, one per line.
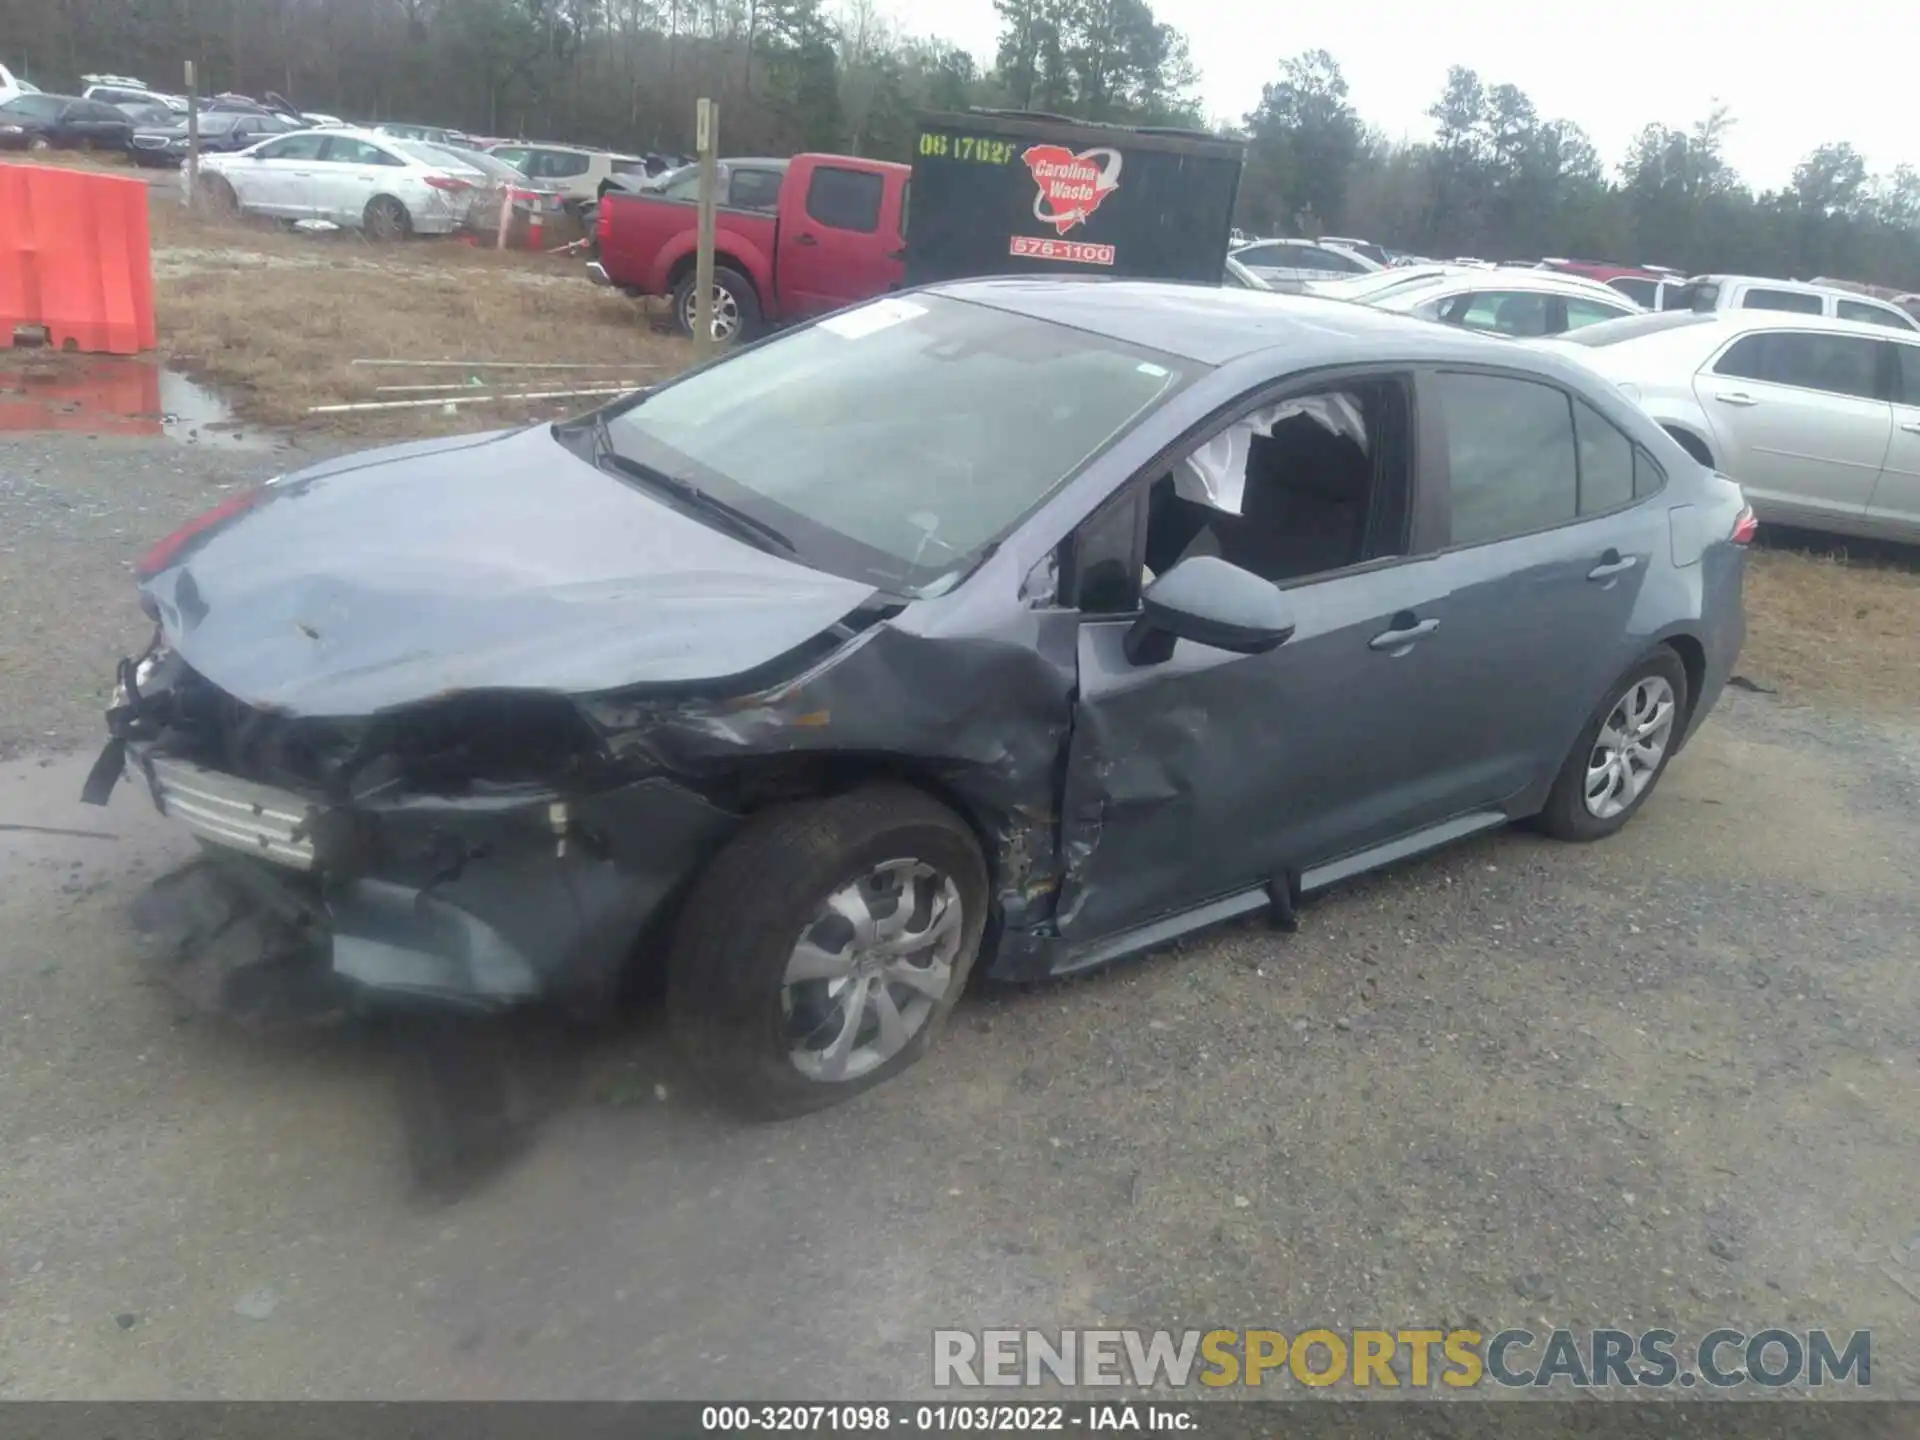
(736, 308)
(821, 951)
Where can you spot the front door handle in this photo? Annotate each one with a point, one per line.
(805, 240)
(1734, 397)
(1404, 635)
(1611, 564)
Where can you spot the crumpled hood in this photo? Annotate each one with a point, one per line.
(485, 562)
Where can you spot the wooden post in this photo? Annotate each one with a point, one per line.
(193, 141)
(706, 141)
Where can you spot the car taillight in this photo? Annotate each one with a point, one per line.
(603, 222)
(448, 182)
(1745, 526)
(167, 551)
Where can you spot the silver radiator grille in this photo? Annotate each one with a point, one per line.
(237, 813)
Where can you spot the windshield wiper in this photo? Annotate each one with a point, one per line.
(746, 526)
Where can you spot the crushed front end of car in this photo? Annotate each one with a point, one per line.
(473, 853)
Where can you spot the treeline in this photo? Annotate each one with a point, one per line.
(788, 74)
(1501, 181)
(1498, 180)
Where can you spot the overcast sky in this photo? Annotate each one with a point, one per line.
(1610, 70)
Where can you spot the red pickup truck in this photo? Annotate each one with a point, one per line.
(792, 238)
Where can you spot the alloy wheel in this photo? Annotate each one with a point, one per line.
(1631, 744)
(867, 973)
(726, 313)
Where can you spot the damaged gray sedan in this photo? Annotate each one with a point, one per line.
(1017, 623)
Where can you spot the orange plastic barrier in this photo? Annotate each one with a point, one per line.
(75, 256)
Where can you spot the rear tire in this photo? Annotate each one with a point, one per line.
(387, 219)
(775, 1042)
(736, 306)
(1613, 766)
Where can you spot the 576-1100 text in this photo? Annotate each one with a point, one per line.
(945, 1419)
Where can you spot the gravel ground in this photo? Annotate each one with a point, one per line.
(1668, 1079)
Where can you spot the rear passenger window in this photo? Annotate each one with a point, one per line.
(1510, 450)
(1648, 477)
(1791, 300)
(755, 189)
(1836, 364)
(1906, 375)
(1606, 461)
(845, 199)
(1645, 292)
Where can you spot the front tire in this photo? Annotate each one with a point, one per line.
(736, 307)
(218, 197)
(822, 950)
(1622, 751)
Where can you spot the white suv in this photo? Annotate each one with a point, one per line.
(1795, 297)
(579, 174)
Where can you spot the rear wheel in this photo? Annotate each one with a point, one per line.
(387, 219)
(39, 142)
(822, 950)
(1622, 753)
(736, 308)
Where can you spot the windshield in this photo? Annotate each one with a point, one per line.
(428, 154)
(896, 441)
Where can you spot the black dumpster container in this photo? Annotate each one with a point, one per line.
(999, 192)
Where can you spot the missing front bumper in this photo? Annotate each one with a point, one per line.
(474, 904)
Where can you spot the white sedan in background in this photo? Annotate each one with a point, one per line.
(1501, 301)
(388, 187)
(1817, 419)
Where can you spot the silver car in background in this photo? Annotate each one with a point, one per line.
(1291, 264)
(355, 179)
(1818, 419)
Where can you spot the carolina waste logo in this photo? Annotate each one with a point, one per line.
(1071, 186)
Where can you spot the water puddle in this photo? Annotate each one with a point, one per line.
(106, 395)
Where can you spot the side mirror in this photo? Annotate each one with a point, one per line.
(1208, 601)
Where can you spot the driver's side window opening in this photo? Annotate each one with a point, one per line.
(1312, 484)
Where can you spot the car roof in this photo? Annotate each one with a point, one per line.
(1708, 329)
(1215, 325)
(1469, 278)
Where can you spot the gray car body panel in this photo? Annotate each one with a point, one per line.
(1117, 804)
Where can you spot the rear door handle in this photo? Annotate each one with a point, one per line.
(1734, 397)
(1912, 427)
(805, 240)
(1405, 636)
(1611, 564)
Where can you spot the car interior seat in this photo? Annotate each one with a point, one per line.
(1303, 510)
(1521, 315)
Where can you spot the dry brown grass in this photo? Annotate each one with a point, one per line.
(1828, 629)
(274, 320)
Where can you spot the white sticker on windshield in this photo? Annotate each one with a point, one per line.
(869, 319)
